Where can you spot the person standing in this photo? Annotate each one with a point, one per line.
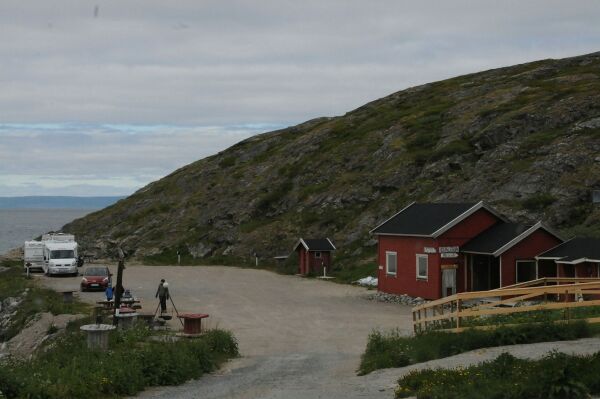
(162, 293)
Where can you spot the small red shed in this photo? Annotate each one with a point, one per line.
(314, 255)
(422, 250)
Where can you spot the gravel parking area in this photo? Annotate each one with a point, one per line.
(299, 338)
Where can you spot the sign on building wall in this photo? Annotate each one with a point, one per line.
(448, 249)
(429, 250)
(449, 255)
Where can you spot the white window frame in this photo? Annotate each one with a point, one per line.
(387, 263)
(419, 276)
(517, 269)
(318, 254)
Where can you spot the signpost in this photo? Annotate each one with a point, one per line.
(119, 288)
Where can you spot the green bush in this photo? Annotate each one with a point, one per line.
(134, 361)
(394, 350)
(556, 376)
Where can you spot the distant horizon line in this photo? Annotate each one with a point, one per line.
(64, 196)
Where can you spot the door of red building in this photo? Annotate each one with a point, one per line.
(448, 281)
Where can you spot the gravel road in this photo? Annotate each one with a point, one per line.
(299, 338)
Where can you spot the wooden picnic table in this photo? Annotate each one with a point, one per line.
(124, 301)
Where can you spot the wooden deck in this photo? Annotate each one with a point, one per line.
(450, 313)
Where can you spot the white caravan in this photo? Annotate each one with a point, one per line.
(60, 254)
(33, 255)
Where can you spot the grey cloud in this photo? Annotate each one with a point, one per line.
(215, 63)
(260, 61)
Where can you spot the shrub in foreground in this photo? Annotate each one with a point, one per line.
(557, 376)
(394, 350)
(69, 370)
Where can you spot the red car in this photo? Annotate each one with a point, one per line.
(95, 278)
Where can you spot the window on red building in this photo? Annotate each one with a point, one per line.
(422, 266)
(391, 263)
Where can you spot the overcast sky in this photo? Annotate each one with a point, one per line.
(102, 97)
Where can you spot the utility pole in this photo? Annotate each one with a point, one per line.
(119, 287)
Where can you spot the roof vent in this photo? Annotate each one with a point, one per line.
(596, 196)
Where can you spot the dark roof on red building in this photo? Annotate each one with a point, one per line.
(494, 238)
(577, 250)
(501, 237)
(315, 244)
(427, 219)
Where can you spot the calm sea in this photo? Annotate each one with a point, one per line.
(19, 225)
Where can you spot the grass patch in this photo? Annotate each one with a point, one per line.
(555, 376)
(456, 147)
(352, 272)
(394, 350)
(534, 316)
(540, 139)
(69, 370)
(538, 202)
(36, 300)
(253, 224)
(270, 200)
(227, 161)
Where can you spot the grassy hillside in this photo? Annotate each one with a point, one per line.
(524, 138)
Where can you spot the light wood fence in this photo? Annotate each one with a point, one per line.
(457, 312)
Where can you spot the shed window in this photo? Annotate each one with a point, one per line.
(525, 270)
(317, 254)
(422, 266)
(391, 263)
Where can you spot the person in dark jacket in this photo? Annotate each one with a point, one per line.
(162, 293)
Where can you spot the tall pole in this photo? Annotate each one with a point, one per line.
(119, 287)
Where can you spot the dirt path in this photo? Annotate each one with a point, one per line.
(299, 338)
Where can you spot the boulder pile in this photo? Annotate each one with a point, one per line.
(391, 298)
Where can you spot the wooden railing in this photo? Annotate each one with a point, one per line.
(451, 313)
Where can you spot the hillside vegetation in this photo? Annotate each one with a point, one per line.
(525, 138)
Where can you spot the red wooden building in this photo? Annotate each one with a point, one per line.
(578, 257)
(314, 255)
(435, 250)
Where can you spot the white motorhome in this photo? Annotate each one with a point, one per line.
(60, 254)
(33, 255)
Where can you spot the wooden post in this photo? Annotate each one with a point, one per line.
(567, 314)
(414, 322)
(119, 287)
(458, 309)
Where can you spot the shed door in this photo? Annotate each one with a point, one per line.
(448, 282)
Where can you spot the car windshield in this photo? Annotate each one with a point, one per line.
(62, 254)
(95, 271)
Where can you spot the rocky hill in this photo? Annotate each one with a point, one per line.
(524, 138)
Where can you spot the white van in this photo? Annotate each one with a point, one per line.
(60, 254)
(33, 255)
